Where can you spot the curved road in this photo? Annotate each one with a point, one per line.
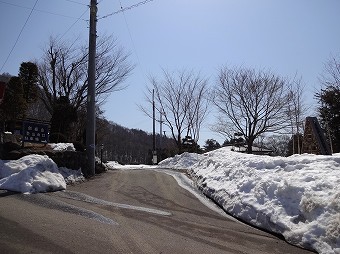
(140, 211)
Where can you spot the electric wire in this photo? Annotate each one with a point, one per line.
(125, 9)
(16, 41)
(132, 42)
(33, 9)
(75, 22)
(37, 10)
(71, 1)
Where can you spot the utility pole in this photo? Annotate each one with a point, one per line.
(154, 152)
(160, 135)
(91, 92)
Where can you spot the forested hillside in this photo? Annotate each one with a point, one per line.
(130, 146)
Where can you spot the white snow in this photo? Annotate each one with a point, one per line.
(296, 196)
(115, 165)
(62, 146)
(35, 173)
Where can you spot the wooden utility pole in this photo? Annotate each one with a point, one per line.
(154, 152)
(160, 135)
(91, 91)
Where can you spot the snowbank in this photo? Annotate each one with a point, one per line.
(62, 146)
(115, 165)
(183, 161)
(35, 173)
(297, 196)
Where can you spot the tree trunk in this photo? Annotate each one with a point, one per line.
(250, 143)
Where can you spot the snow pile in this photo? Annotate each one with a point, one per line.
(183, 161)
(71, 176)
(115, 165)
(297, 196)
(35, 173)
(62, 146)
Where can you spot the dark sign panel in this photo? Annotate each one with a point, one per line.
(35, 132)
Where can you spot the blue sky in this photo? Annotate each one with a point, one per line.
(288, 37)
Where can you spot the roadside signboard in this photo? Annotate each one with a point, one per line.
(35, 132)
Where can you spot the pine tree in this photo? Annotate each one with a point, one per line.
(64, 114)
(28, 74)
(329, 112)
(211, 144)
(14, 105)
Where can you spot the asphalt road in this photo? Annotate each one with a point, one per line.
(139, 211)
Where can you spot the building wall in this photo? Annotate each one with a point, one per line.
(314, 140)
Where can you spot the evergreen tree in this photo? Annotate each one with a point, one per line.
(28, 74)
(211, 144)
(234, 142)
(64, 114)
(190, 145)
(329, 98)
(14, 105)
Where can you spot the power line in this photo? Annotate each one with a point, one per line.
(132, 42)
(80, 18)
(125, 9)
(43, 11)
(76, 2)
(16, 41)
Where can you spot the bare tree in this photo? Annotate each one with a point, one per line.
(278, 144)
(331, 73)
(182, 99)
(251, 102)
(224, 127)
(197, 103)
(297, 112)
(63, 71)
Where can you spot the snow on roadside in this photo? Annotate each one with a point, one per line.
(183, 161)
(297, 196)
(71, 176)
(112, 165)
(35, 173)
(62, 146)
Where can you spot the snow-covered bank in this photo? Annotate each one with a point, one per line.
(297, 196)
(115, 165)
(35, 173)
(62, 146)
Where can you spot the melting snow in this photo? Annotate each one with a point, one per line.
(35, 173)
(296, 196)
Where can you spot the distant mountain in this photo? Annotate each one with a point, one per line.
(5, 77)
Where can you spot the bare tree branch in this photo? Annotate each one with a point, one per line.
(63, 71)
(251, 102)
(182, 98)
